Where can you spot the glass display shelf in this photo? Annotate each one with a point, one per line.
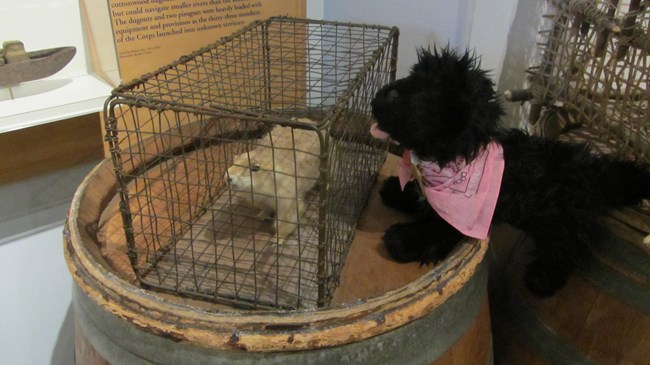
(50, 100)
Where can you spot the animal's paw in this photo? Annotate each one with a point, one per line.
(544, 279)
(405, 243)
(399, 244)
(407, 201)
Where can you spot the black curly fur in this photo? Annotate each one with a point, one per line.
(447, 107)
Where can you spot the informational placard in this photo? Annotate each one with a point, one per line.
(151, 33)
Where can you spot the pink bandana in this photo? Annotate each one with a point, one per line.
(463, 194)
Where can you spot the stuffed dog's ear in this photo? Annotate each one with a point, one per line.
(392, 95)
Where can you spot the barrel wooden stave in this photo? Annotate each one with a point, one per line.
(434, 336)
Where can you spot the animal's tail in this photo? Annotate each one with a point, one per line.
(596, 181)
(619, 182)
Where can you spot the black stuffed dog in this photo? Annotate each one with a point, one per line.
(462, 171)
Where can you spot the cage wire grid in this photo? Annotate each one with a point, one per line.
(595, 71)
(174, 134)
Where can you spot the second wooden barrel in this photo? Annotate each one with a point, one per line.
(602, 316)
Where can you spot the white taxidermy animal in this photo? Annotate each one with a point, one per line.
(275, 175)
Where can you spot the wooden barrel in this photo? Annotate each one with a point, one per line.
(602, 316)
(382, 312)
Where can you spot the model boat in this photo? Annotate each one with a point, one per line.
(17, 65)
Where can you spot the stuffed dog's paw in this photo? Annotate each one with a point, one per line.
(544, 279)
(401, 242)
(406, 201)
(420, 241)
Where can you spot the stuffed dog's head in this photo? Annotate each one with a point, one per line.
(445, 108)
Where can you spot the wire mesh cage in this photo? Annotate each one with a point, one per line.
(244, 166)
(594, 73)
